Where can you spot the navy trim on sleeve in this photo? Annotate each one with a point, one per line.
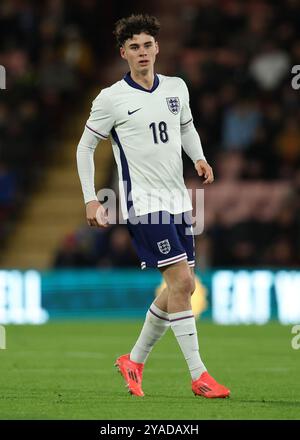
(96, 132)
(187, 122)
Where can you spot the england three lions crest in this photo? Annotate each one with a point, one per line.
(164, 246)
(173, 105)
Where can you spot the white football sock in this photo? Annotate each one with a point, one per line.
(184, 327)
(155, 326)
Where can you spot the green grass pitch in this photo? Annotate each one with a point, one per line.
(65, 371)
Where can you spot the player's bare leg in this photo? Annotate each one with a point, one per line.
(162, 300)
(180, 283)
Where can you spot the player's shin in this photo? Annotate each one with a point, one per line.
(155, 326)
(184, 328)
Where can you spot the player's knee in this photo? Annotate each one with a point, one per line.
(185, 285)
(193, 285)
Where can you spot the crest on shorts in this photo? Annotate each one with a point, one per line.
(173, 105)
(164, 246)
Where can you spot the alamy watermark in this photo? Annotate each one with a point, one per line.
(296, 339)
(2, 77)
(158, 203)
(296, 79)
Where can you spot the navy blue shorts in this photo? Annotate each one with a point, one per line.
(159, 242)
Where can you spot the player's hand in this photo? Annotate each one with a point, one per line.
(96, 215)
(204, 170)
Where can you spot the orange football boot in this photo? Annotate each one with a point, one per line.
(132, 373)
(206, 386)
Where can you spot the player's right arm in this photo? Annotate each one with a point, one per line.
(96, 215)
(97, 127)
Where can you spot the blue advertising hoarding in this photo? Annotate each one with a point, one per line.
(223, 296)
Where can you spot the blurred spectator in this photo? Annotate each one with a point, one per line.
(92, 247)
(72, 254)
(230, 166)
(240, 125)
(288, 141)
(120, 249)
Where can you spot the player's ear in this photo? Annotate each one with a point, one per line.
(123, 53)
(157, 48)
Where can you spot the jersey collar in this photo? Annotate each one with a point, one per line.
(135, 85)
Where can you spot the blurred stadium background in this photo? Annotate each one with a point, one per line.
(236, 58)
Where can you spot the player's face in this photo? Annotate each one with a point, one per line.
(140, 52)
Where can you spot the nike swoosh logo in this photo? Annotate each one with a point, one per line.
(130, 113)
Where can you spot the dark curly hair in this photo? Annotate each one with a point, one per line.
(135, 24)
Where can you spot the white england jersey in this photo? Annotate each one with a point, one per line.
(145, 131)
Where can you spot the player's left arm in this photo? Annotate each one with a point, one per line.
(204, 169)
(191, 144)
(190, 139)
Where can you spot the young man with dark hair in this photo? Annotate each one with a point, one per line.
(149, 120)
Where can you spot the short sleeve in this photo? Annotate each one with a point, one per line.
(101, 119)
(186, 114)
